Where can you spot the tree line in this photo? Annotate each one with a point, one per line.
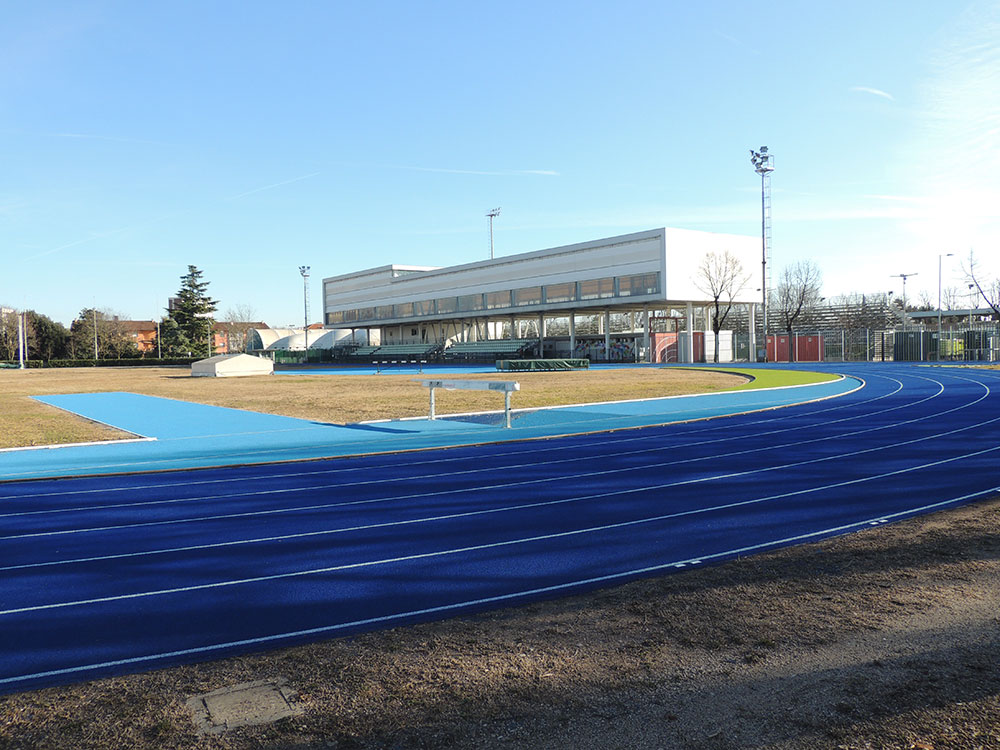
(799, 290)
(184, 331)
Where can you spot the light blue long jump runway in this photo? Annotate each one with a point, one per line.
(184, 435)
(107, 575)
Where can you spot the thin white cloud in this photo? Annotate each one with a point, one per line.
(94, 237)
(276, 184)
(495, 173)
(874, 92)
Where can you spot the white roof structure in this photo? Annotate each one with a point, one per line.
(263, 338)
(656, 268)
(231, 365)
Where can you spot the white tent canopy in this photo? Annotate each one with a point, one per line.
(231, 365)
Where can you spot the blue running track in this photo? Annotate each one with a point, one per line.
(109, 575)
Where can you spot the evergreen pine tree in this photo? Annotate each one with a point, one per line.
(189, 324)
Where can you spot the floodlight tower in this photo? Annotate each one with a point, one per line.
(491, 215)
(763, 164)
(904, 277)
(304, 270)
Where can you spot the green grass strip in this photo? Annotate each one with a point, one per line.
(766, 377)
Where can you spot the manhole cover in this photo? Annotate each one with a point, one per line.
(258, 702)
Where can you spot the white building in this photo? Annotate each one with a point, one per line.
(636, 295)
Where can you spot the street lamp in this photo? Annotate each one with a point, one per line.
(763, 164)
(904, 277)
(940, 256)
(304, 270)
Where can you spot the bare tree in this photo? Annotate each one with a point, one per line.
(237, 322)
(857, 311)
(950, 299)
(721, 276)
(798, 291)
(977, 277)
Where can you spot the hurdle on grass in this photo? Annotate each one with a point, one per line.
(506, 386)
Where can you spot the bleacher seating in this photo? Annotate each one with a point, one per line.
(405, 350)
(491, 349)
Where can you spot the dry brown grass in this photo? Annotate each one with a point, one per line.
(325, 398)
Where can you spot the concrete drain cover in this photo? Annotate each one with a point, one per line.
(258, 702)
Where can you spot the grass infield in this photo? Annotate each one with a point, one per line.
(344, 398)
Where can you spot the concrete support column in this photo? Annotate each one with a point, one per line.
(572, 333)
(541, 334)
(689, 323)
(645, 333)
(607, 334)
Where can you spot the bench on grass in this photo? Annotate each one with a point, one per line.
(506, 386)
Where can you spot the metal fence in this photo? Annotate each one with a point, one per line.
(975, 343)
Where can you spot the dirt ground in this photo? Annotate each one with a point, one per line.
(888, 638)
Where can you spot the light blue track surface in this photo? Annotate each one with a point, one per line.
(187, 435)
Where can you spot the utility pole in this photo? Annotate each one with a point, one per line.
(763, 164)
(22, 339)
(304, 270)
(491, 215)
(94, 311)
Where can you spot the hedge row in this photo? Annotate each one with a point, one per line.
(148, 362)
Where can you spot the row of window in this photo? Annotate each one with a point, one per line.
(572, 291)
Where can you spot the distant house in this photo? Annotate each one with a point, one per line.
(227, 337)
(142, 332)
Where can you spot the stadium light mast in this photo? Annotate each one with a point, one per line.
(904, 277)
(763, 164)
(304, 270)
(491, 215)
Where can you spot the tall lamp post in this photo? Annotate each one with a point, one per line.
(304, 270)
(491, 215)
(763, 164)
(940, 256)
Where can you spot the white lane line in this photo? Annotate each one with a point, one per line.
(615, 493)
(535, 481)
(397, 616)
(296, 451)
(534, 450)
(474, 471)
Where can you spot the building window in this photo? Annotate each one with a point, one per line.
(447, 305)
(334, 317)
(640, 284)
(470, 302)
(365, 313)
(404, 310)
(426, 307)
(384, 312)
(560, 292)
(496, 300)
(597, 288)
(531, 295)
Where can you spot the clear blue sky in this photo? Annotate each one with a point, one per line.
(249, 138)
